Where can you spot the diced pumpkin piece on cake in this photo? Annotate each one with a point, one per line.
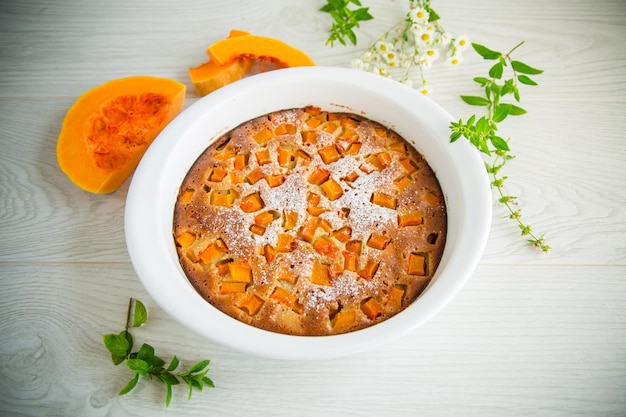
(349, 261)
(412, 218)
(378, 241)
(222, 267)
(409, 165)
(374, 162)
(398, 146)
(240, 271)
(371, 308)
(211, 253)
(402, 182)
(257, 230)
(349, 122)
(332, 189)
(369, 270)
(326, 247)
(255, 176)
(286, 157)
(325, 225)
(354, 246)
(384, 158)
(225, 154)
(330, 127)
(343, 319)
(302, 157)
(230, 287)
(307, 231)
(263, 136)
(275, 180)
(287, 299)
(381, 132)
(290, 219)
(313, 199)
(342, 234)
(431, 198)
(251, 203)
(263, 157)
(235, 177)
(251, 304)
(285, 242)
(269, 252)
(314, 122)
(351, 177)
(384, 200)
(316, 210)
(218, 174)
(185, 239)
(265, 218)
(186, 195)
(354, 148)
(416, 264)
(285, 129)
(320, 274)
(395, 296)
(319, 176)
(309, 137)
(224, 198)
(241, 161)
(329, 154)
(313, 110)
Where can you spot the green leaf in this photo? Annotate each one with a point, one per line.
(485, 52)
(516, 110)
(496, 71)
(173, 364)
(499, 143)
(482, 81)
(200, 366)
(525, 69)
(141, 314)
(475, 100)
(119, 345)
(208, 382)
(138, 365)
(130, 385)
(168, 396)
(526, 80)
(501, 112)
(455, 136)
(432, 15)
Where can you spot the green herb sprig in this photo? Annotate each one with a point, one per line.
(345, 19)
(146, 363)
(482, 132)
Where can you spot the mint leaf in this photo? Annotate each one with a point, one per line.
(525, 69)
(526, 80)
(485, 52)
(130, 385)
(141, 315)
(475, 100)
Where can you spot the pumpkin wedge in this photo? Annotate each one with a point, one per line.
(108, 129)
(210, 76)
(258, 47)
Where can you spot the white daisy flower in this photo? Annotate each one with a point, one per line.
(454, 60)
(462, 42)
(424, 89)
(418, 15)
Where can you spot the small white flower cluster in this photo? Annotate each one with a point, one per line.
(415, 43)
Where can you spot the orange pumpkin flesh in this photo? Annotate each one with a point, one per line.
(108, 129)
(259, 47)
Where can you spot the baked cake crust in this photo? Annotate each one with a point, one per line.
(306, 222)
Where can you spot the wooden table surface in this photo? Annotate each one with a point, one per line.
(529, 335)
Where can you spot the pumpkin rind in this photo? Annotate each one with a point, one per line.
(108, 129)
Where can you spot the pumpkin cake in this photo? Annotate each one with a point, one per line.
(307, 222)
